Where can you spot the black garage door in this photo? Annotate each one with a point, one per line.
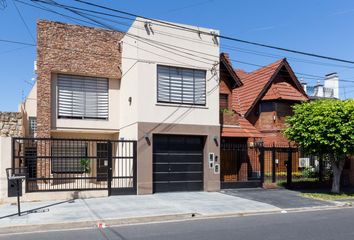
(177, 163)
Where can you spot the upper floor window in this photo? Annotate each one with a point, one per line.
(266, 107)
(32, 126)
(181, 85)
(224, 101)
(82, 97)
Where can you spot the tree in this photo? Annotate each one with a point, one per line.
(324, 127)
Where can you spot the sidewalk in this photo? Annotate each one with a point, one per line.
(124, 210)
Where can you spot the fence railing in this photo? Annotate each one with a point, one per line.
(76, 164)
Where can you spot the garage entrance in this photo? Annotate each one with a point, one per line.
(177, 163)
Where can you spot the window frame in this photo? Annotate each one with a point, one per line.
(83, 117)
(227, 101)
(181, 103)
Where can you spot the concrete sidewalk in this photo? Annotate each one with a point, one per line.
(128, 207)
(117, 210)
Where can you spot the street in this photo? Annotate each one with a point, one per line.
(316, 225)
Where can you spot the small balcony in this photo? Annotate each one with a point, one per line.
(229, 117)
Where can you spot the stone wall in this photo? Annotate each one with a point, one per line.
(11, 124)
(76, 50)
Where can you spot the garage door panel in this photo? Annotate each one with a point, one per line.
(189, 176)
(186, 167)
(178, 186)
(161, 176)
(177, 163)
(185, 158)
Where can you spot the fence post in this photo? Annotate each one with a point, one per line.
(135, 166)
(320, 166)
(273, 164)
(289, 168)
(109, 173)
(261, 159)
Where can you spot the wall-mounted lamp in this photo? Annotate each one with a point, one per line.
(147, 138)
(130, 100)
(216, 140)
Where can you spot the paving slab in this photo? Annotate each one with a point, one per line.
(128, 207)
(281, 198)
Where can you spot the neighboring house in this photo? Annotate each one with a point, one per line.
(253, 109)
(330, 88)
(95, 84)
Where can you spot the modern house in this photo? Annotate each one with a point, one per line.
(136, 97)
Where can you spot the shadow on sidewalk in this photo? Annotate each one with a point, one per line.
(38, 209)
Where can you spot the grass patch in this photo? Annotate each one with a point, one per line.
(329, 196)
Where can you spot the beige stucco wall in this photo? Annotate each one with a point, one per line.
(5, 162)
(139, 76)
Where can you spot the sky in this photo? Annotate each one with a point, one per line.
(323, 27)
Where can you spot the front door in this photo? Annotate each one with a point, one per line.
(102, 161)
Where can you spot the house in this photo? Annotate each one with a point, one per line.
(330, 88)
(254, 107)
(131, 112)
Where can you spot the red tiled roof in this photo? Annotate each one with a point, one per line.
(225, 60)
(257, 82)
(245, 129)
(285, 91)
(253, 84)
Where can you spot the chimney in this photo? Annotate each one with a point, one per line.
(332, 81)
(319, 90)
(304, 85)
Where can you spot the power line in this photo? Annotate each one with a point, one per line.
(23, 21)
(184, 37)
(303, 74)
(220, 36)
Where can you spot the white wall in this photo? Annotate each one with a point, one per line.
(179, 48)
(5, 162)
(30, 105)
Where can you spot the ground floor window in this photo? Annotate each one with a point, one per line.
(67, 157)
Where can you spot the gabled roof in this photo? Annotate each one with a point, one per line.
(225, 61)
(256, 84)
(284, 91)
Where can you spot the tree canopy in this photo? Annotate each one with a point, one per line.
(323, 126)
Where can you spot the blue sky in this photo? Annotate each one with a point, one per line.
(319, 26)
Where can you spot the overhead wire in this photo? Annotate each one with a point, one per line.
(220, 36)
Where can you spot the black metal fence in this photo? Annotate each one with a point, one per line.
(77, 164)
(240, 165)
(243, 165)
(288, 166)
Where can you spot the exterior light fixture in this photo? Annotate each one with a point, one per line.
(147, 138)
(216, 140)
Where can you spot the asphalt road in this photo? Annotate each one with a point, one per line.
(317, 225)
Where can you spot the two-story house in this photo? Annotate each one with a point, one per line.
(253, 110)
(156, 85)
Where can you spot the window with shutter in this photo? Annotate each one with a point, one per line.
(181, 85)
(67, 156)
(82, 97)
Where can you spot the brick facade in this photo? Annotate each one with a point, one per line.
(72, 49)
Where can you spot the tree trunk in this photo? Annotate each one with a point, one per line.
(337, 167)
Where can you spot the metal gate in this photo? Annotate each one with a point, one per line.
(55, 164)
(241, 165)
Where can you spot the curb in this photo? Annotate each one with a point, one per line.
(21, 229)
